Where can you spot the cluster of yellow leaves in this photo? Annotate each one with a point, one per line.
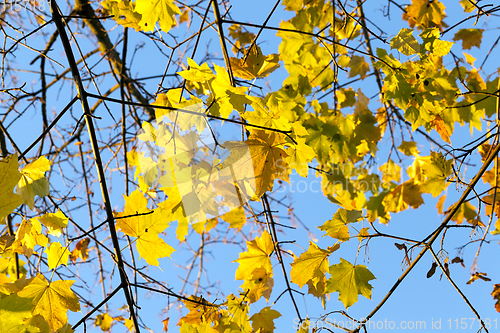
(143, 14)
(255, 268)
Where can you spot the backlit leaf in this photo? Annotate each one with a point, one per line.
(145, 227)
(349, 281)
(51, 300)
(9, 176)
(255, 257)
(33, 181)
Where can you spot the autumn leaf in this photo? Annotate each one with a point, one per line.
(256, 65)
(310, 263)
(337, 226)
(123, 12)
(349, 281)
(104, 321)
(439, 126)
(33, 181)
(57, 255)
(145, 227)
(405, 42)
(257, 162)
(235, 217)
(255, 257)
(51, 300)
(80, 250)
(425, 14)
(259, 284)
(161, 12)
(496, 296)
(9, 176)
(263, 321)
(200, 311)
(28, 235)
(409, 148)
(358, 66)
(197, 73)
(469, 37)
(55, 222)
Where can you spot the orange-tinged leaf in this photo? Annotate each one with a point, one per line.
(439, 126)
(425, 14)
(263, 321)
(255, 65)
(33, 181)
(51, 300)
(9, 176)
(313, 261)
(496, 296)
(200, 311)
(57, 255)
(256, 256)
(80, 250)
(257, 162)
(350, 281)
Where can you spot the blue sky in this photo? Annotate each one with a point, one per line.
(417, 299)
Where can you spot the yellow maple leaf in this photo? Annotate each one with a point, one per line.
(259, 284)
(104, 321)
(9, 176)
(57, 255)
(337, 226)
(80, 250)
(28, 235)
(299, 156)
(175, 209)
(123, 12)
(350, 281)
(54, 222)
(51, 300)
(161, 11)
(225, 97)
(144, 227)
(311, 262)
(256, 65)
(197, 73)
(469, 38)
(257, 162)
(425, 14)
(235, 217)
(200, 311)
(33, 181)
(263, 321)
(257, 256)
(270, 115)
